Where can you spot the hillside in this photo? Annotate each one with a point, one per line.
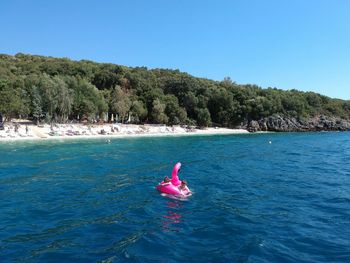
(59, 89)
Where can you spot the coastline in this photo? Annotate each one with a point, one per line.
(27, 131)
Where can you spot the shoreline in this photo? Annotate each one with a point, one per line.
(25, 131)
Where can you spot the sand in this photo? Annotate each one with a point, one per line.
(28, 131)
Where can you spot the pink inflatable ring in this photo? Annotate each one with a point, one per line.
(172, 187)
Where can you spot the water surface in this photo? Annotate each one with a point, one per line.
(92, 201)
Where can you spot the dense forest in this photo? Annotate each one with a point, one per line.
(60, 90)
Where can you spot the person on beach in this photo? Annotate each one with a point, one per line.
(184, 188)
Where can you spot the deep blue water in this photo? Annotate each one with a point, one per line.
(90, 201)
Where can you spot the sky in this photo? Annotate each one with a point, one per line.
(299, 44)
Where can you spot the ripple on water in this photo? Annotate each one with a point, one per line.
(287, 201)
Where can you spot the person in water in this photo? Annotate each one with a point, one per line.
(166, 180)
(184, 188)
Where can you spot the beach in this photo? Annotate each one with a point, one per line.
(26, 130)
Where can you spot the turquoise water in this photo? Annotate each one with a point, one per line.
(90, 201)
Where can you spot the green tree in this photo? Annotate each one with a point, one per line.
(63, 98)
(190, 102)
(49, 95)
(224, 110)
(87, 101)
(158, 112)
(121, 102)
(68, 89)
(203, 119)
(139, 111)
(36, 104)
(175, 113)
(10, 101)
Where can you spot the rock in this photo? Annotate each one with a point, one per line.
(288, 124)
(263, 125)
(253, 126)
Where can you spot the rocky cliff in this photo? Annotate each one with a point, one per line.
(286, 124)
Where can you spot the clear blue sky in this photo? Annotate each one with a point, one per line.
(301, 44)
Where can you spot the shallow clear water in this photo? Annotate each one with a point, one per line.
(88, 201)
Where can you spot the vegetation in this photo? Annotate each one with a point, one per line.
(59, 89)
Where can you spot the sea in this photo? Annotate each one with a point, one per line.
(273, 197)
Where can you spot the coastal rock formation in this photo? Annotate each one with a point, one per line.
(287, 124)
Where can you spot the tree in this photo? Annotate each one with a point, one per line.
(149, 97)
(158, 112)
(175, 113)
(139, 111)
(67, 89)
(48, 90)
(121, 102)
(10, 101)
(88, 100)
(224, 110)
(203, 117)
(105, 78)
(190, 102)
(227, 82)
(64, 99)
(293, 104)
(36, 104)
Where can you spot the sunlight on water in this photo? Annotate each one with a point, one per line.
(257, 198)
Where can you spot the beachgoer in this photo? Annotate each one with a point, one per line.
(183, 188)
(166, 180)
(26, 129)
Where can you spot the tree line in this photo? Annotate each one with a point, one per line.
(59, 90)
